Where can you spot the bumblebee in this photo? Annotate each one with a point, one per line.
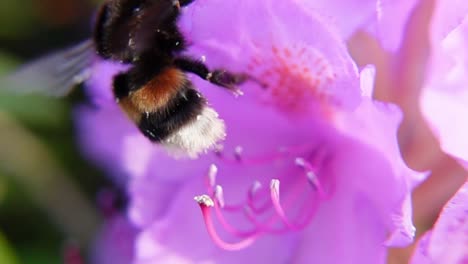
(154, 92)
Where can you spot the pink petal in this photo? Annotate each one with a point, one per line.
(180, 238)
(115, 242)
(444, 102)
(448, 241)
(346, 15)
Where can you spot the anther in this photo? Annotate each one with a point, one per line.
(218, 150)
(300, 162)
(219, 195)
(274, 187)
(204, 200)
(311, 176)
(212, 172)
(312, 179)
(275, 198)
(206, 204)
(238, 153)
(256, 186)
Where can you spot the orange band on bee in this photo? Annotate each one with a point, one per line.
(156, 93)
(130, 109)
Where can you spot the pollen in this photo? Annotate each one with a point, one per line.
(296, 77)
(204, 200)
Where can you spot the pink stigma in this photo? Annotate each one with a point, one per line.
(206, 203)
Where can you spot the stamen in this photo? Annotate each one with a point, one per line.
(313, 181)
(300, 162)
(275, 198)
(261, 159)
(218, 150)
(310, 174)
(231, 229)
(253, 191)
(212, 172)
(265, 227)
(272, 156)
(205, 203)
(259, 227)
(238, 153)
(219, 195)
(204, 200)
(256, 186)
(263, 208)
(274, 187)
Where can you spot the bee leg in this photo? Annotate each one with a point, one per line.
(218, 77)
(226, 79)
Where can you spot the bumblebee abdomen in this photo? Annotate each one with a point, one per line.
(163, 105)
(181, 110)
(159, 91)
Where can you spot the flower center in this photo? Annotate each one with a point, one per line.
(296, 77)
(268, 209)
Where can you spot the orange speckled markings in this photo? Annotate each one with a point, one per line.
(295, 76)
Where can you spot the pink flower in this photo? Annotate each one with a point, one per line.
(115, 242)
(424, 51)
(448, 240)
(421, 60)
(310, 170)
(444, 100)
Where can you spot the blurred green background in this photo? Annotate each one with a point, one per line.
(47, 189)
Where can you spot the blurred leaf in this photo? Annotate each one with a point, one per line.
(7, 63)
(34, 110)
(39, 255)
(6, 253)
(27, 228)
(36, 169)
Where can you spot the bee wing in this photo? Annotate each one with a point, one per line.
(55, 74)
